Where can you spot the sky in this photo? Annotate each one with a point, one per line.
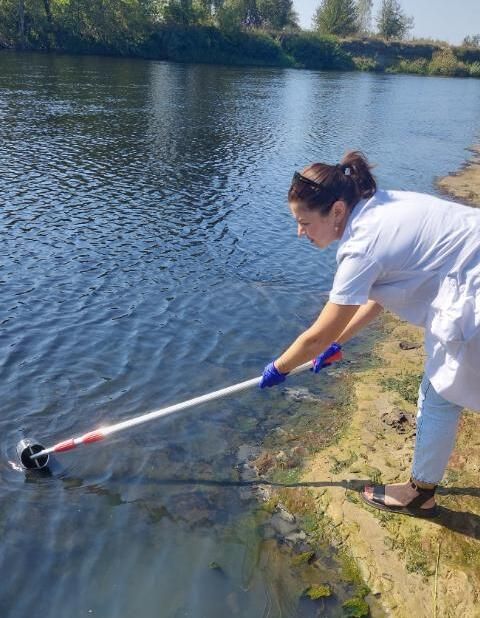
(447, 20)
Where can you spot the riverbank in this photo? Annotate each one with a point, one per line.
(410, 566)
(209, 44)
(464, 185)
(425, 567)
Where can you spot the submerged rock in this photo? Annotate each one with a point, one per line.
(300, 395)
(193, 508)
(247, 452)
(283, 525)
(296, 537)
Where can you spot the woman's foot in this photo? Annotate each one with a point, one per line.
(404, 498)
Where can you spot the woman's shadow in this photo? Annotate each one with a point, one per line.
(463, 522)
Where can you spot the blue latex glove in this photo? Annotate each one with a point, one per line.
(331, 354)
(271, 376)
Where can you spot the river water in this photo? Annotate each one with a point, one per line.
(147, 256)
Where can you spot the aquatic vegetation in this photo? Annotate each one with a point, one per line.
(356, 608)
(318, 592)
(445, 62)
(419, 66)
(303, 558)
(474, 69)
(365, 63)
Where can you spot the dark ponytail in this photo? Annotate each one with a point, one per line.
(320, 185)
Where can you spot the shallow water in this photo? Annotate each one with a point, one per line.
(148, 256)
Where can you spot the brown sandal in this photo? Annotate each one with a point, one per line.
(413, 508)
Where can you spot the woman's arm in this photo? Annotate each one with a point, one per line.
(363, 316)
(335, 323)
(330, 324)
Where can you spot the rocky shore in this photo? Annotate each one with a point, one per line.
(410, 566)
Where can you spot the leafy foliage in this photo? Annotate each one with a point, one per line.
(445, 62)
(472, 41)
(474, 69)
(337, 17)
(364, 15)
(209, 44)
(419, 66)
(311, 51)
(121, 26)
(392, 22)
(364, 63)
(277, 14)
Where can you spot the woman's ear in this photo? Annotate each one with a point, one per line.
(339, 209)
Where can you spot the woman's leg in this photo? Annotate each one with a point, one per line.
(437, 424)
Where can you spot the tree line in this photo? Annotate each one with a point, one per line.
(354, 17)
(44, 23)
(345, 35)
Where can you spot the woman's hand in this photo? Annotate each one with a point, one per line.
(271, 376)
(325, 359)
(328, 327)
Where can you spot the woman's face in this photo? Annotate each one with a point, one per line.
(320, 230)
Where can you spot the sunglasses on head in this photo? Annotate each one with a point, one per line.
(323, 193)
(316, 186)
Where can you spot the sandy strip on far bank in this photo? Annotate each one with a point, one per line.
(464, 185)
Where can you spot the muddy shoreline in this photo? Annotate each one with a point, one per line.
(401, 565)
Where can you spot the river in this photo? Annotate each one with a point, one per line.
(148, 256)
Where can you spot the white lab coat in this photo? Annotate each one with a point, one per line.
(419, 256)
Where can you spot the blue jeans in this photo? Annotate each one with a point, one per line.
(437, 423)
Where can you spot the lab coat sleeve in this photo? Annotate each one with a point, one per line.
(356, 273)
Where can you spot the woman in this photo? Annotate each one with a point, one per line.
(418, 256)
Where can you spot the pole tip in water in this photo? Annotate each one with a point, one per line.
(28, 447)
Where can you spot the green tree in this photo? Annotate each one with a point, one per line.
(277, 14)
(252, 18)
(338, 17)
(364, 19)
(26, 23)
(472, 41)
(230, 14)
(392, 22)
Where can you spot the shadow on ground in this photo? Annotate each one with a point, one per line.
(464, 522)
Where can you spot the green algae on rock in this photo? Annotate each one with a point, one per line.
(303, 558)
(318, 592)
(356, 608)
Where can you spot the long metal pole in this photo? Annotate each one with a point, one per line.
(103, 432)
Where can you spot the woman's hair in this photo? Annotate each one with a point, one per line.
(320, 185)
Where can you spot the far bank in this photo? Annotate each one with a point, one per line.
(257, 47)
